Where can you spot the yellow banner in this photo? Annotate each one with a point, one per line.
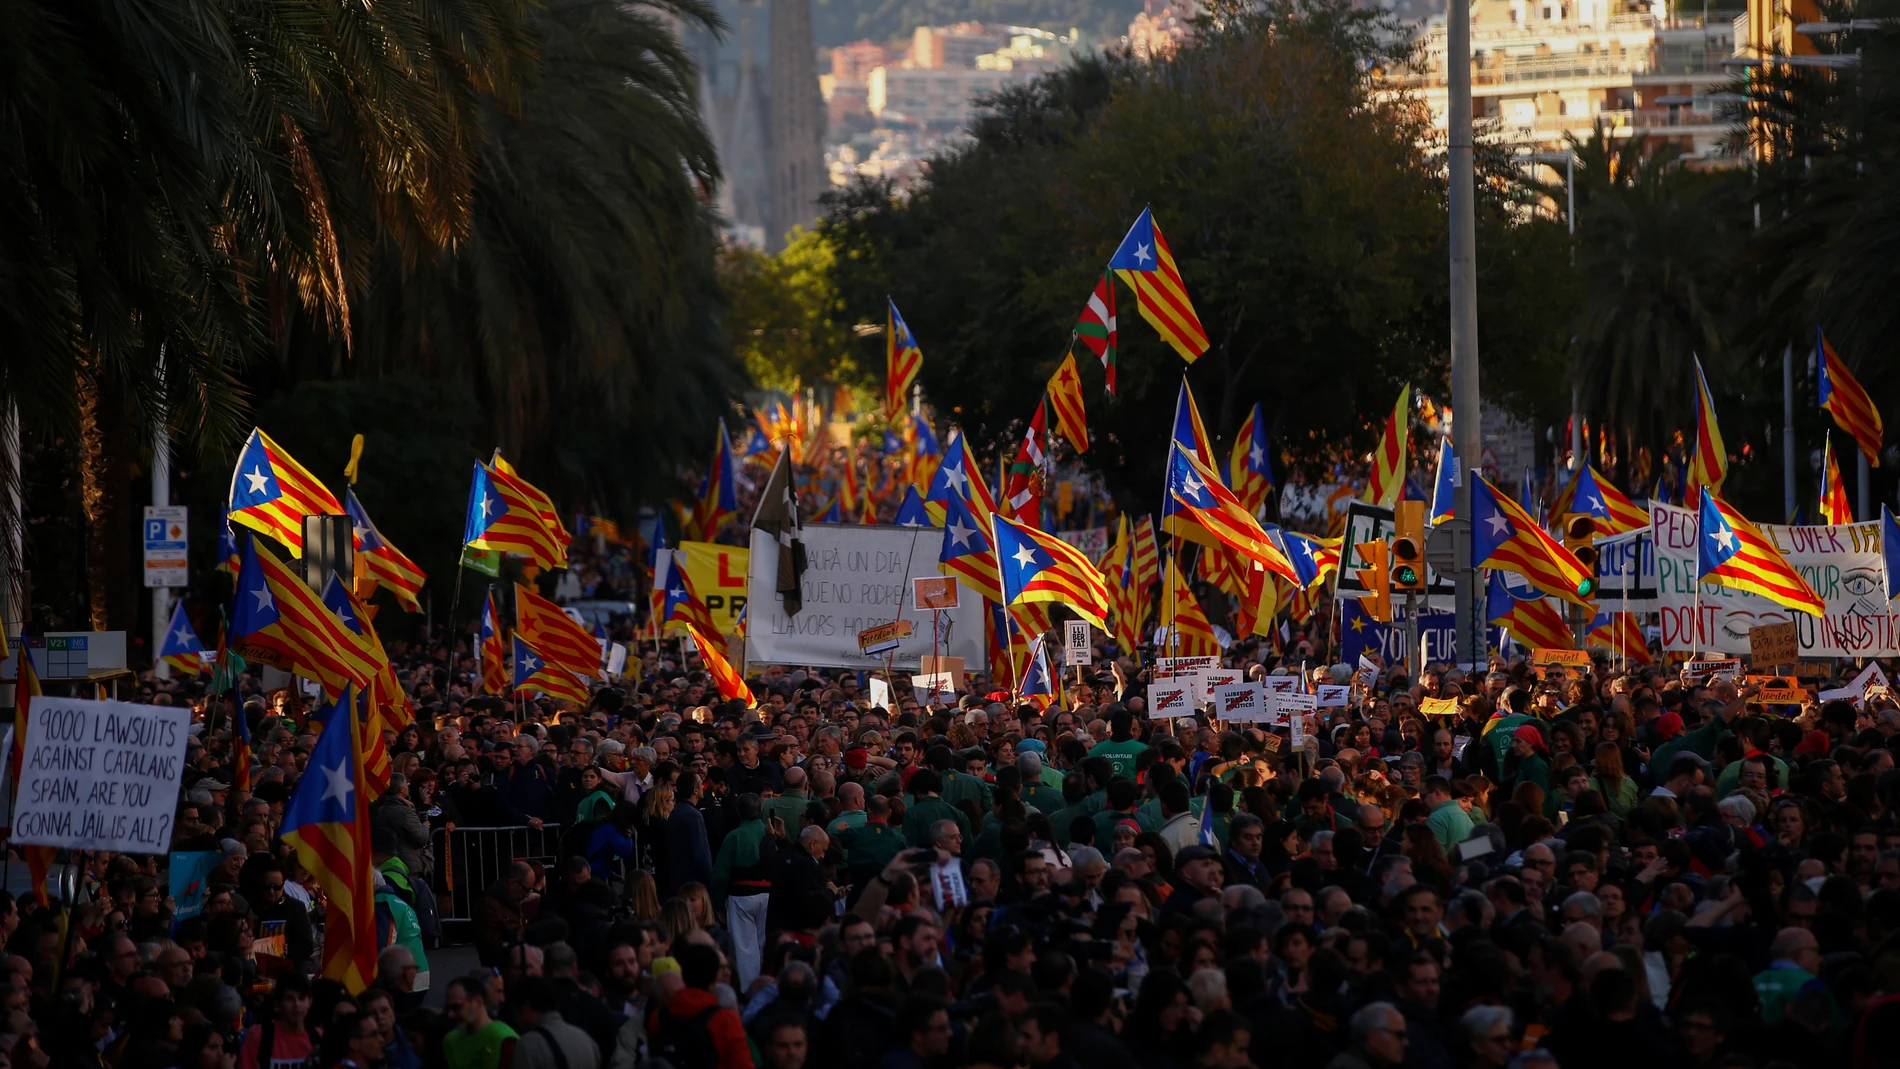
(719, 578)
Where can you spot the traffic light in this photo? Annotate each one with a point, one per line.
(1408, 547)
(1580, 529)
(1376, 578)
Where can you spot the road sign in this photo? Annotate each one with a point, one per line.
(165, 557)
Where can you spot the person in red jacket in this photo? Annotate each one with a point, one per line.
(693, 1031)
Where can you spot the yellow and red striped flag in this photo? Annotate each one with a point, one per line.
(501, 516)
(1504, 536)
(555, 634)
(327, 822)
(379, 562)
(725, 677)
(1215, 509)
(1065, 389)
(902, 361)
(1250, 464)
(544, 505)
(494, 649)
(1842, 396)
(1708, 465)
(1181, 612)
(271, 493)
(1147, 553)
(1532, 621)
(1834, 506)
(279, 621)
(967, 552)
(1035, 566)
(1732, 553)
(1622, 634)
(533, 673)
(1146, 264)
(1388, 460)
(1590, 492)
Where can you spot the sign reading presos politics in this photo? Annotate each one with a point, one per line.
(1171, 700)
(100, 775)
(1241, 703)
(1841, 562)
(856, 578)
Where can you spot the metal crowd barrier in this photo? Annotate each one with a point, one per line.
(468, 861)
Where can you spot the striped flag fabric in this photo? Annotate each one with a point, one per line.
(381, 704)
(926, 453)
(1035, 566)
(902, 360)
(279, 621)
(1833, 505)
(1038, 686)
(554, 633)
(1251, 464)
(911, 511)
(717, 500)
(1622, 634)
(726, 678)
(501, 517)
(1181, 613)
(229, 558)
(1444, 503)
(1531, 618)
(1841, 395)
(550, 516)
(1708, 465)
(1504, 536)
(1146, 265)
(1388, 460)
(327, 822)
(494, 649)
(535, 674)
(1615, 513)
(1023, 495)
(182, 648)
(1147, 553)
(1191, 435)
(271, 493)
(1118, 571)
(682, 608)
(1065, 390)
(378, 563)
(1216, 510)
(1096, 328)
(1730, 552)
(967, 552)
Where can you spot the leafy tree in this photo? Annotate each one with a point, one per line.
(785, 318)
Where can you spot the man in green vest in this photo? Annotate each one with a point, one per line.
(929, 808)
(742, 880)
(789, 805)
(1122, 796)
(870, 846)
(851, 796)
(1796, 958)
(1036, 794)
(957, 786)
(1122, 747)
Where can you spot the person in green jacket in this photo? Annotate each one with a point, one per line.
(1796, 955)
(1075, 795)
(742, 880)
(870, 846)
(598, 803)
(1533, 763)
(789, 804)
(1613, 782)
(1447, 819)
(1036, 794)
(404, 930)
(1122, 748)
(930, 808)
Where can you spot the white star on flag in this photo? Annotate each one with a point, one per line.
(954, 477)
(181, 636)
(960, 534)
(1142, 255)
(339, 785)
(260, 483)
(1724, 538)
(1498, 523)
(1193, 486)
(262, 594)
(1255, 455)
(1024, 556)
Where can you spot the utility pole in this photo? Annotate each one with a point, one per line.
(1787, 434)
(1466, 425)
(161, 497)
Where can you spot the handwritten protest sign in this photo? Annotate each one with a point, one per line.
(100, 775)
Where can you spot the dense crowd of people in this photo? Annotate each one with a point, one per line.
(1618, 864)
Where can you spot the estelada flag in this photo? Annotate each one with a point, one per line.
(1730, 552)
(1181, 612)
(1034, 567)
(1065, 389)
(1146, 264)
(1708, 465)
(1614, 513)
(1505, 536)
(967, 551)
(1388, 460)
(1842, 396)
(1215, 509)
(534, 674)
(327, 822)
(554, 633)
(1531, 618)
(378, 562)
(1834, 506)
(902, 360)
(1251, 464)
(1622, 634)
(271, 493)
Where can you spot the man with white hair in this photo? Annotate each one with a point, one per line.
(1378, 1039)
(1036, 794)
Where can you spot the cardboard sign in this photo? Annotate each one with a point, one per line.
(1289, 708)
(100, 775)
(1171, 699)
(937, 593)
(1773, 645)
(1282, 684)
(1732, 668)
(1574, 658)
(880, 694)
(1332, 696)
(951, 666)
(1272, 743)
(1438, 706)
(1076, 648)
(1207, 679)
(1241, 703)
(1779, 690)
(883, 637)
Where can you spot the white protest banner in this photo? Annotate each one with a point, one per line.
(1241, 703)
(1283, 684)
(1856, 688)
(1171, 699)
(1208, 678)
(1700, 669)
(1281, 707)
(1175, 667)
(100, 775)
(1332, 696)
(1842, 563)
(856, 578)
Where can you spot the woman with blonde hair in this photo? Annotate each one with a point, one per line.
(643, 895)
(676, 914)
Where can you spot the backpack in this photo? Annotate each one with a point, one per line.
(686, 1042)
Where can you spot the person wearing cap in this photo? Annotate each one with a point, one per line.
(1198, 876)
(1530, 757)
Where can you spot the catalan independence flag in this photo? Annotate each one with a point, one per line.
(543, 505)
(1216, 510)
(501, 518)
(1834, 506)
(380, 563)
(1504, 536)
(1708, 465)
(554, 633)
(682, 607)
(718, 490)
(1038, 685)
(1444, 488)
(1842, 396)
(1531, 618)
(229, 558)
(1146, 265)
(967, 553)
(271, 493)
(279, 621)
(1147, 553)
(959, 475)
(182, 648)
(1035, 566)
(494, 649)
(1251, 464)
(1622, 634)
(1614, 512)
(1730, 552)
(1190, 434)
(1181, 613)
(533, 674)
(726, 678)
(1388, 459)
(1065, 390)
(327, 822)
(903, 359)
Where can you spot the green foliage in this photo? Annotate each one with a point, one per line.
(1305, 217)
(785, 318)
